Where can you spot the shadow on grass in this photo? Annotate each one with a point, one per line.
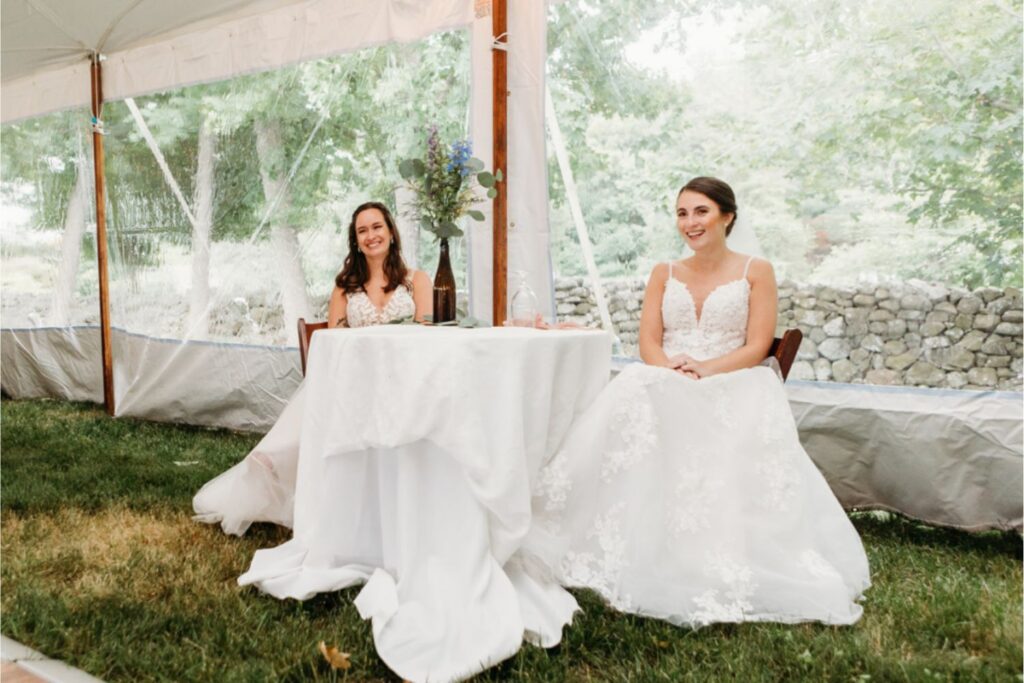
(895, 528)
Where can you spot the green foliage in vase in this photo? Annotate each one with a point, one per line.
(444, 183)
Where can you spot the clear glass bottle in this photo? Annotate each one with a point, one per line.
(523, 309)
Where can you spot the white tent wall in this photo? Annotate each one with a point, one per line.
(528, 234)
(941, 456)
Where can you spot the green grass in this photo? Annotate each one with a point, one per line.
(103, 568)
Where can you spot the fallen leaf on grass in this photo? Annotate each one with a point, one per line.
(337, 660)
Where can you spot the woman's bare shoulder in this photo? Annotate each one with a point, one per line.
(759, 268)
(659, 273)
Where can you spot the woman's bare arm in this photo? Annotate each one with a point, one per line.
(422, 295)
(652, 327)
(337, 309)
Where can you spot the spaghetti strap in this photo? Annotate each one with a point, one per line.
(746, 268)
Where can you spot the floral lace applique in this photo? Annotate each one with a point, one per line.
(733, 601)
(722, 326)
(633, 424)
(554, 484)
(600, 573)
(722, 403)
(778, 464)
(361, 311)
(692, 504)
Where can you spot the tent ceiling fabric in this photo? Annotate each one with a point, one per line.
(40, 35)
(154, 45)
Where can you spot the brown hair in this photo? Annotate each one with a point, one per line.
(717, 191)
(355, 272)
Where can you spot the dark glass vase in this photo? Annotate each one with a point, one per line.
(444, 288)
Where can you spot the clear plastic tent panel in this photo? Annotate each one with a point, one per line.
(48, 226)
(873, 142)
(230, 202)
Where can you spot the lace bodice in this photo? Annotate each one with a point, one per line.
(722, 326)
(361, 311)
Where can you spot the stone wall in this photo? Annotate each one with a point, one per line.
(908, 334)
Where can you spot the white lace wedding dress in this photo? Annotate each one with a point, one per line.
(693, 500)
(261, 488)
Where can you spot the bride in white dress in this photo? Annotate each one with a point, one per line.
(683, 492)
(374, 287)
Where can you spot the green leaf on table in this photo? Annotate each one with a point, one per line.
(471, 322)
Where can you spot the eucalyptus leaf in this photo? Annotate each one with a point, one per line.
(485, 179)
(475, 215)
(405, 169)
(471, 322)
(475, 165)
(447, 230)
(498, 175)
(492, 193)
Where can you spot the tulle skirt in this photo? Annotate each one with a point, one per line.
(693, 501)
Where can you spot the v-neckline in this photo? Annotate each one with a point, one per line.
(380, 310)
(698, 317)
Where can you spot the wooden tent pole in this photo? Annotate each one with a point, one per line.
(95, 72)
(499, 23)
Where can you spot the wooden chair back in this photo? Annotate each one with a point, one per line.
(306, 331)
(784, 349)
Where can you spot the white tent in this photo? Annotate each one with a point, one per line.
(150, 47)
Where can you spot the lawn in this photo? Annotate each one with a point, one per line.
(103, 567)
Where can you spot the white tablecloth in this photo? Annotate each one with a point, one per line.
(417, 452)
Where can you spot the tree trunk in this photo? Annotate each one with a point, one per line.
(70, 248)
(408, 228)
(199, 296)
(285, 243)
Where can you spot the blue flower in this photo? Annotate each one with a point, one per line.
(461, 151)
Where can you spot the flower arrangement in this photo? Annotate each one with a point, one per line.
(444, 184)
